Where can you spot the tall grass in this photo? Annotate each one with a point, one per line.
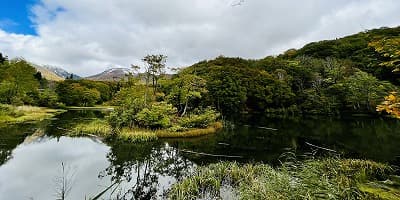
(102, 128)
(318, 179)
(96, 127)
(136, 135)
(13, 114)
(195, 132)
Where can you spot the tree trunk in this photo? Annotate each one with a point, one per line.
(184, 110)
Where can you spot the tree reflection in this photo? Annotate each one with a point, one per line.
(13, 135)
(144, 171)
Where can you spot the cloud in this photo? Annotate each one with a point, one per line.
(88, 36)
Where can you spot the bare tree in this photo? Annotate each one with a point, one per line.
(63, 183)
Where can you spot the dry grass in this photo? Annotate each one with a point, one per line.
(27, 113)
(191, 132)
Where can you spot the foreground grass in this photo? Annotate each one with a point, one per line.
(318, 179)
(102, 128)
(19, 114)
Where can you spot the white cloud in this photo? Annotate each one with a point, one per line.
(88, 36)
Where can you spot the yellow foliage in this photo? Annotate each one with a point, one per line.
(391, 105)
(389, 48)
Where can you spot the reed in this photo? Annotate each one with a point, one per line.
(136, 135)
(96, 127)
(195, 132)
(315, 179)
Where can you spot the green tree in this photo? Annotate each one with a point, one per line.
(365, 92)
(2, 58)
(187, 88)
(75, 93)
(18, 82)
(158, 115)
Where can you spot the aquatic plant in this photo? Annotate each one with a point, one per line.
(314, 179)
(136, 135)
(196, 132)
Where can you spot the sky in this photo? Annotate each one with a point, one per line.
(88, 36)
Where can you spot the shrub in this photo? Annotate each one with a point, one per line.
(125, 115)
(158, 115)
(203, 120)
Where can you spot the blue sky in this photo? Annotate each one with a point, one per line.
(14, 16)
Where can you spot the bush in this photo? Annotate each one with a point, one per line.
(158, 115)
(125, 115)
(48, 98)
(203, 120)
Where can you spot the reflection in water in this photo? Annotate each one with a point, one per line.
(31, 171)
(63, 183)
(31, 154)
(145, 172)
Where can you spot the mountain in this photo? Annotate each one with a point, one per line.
(113, 74)
(47, 74)
(61, 72)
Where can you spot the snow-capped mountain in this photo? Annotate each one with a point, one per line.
(112, 74)
(62, 72)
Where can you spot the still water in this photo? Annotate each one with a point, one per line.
(36, 159)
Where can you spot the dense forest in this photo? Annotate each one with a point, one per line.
(351, 74)
(354, 74)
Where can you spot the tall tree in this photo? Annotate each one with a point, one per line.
(2, 59)
(155, 68)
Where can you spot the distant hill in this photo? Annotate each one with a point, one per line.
(61, 72)
(47, 74)
(113, 74)
(355, 48)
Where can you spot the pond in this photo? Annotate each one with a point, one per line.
(37, 160)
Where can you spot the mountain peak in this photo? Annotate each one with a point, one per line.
(111, 74)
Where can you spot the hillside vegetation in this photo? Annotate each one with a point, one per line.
(354, 74)
(351, 74)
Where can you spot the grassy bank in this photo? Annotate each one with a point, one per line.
(317, 179)
(19, 114)
(103, 129)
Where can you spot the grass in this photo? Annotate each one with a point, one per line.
(96, 127)
(19, 114)
(136, 135)
(316, 179)
(102, 128)
(195, 132)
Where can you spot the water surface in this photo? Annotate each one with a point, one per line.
(33, 156)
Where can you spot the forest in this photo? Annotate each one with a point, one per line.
(354, 74)
(253, 121)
